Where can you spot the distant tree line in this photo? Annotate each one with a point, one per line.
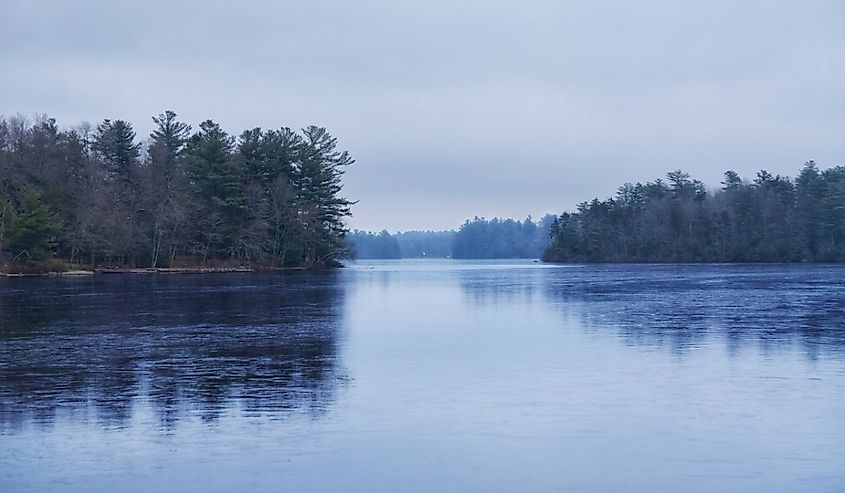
(99, 196)
(425, 244)
(405, 244)
(367, 245)
(477, 238)
(502, 238)
(769, 219)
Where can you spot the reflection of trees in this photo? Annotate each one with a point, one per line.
(680, 306)
(26, 306)
(265, 343)
(508, 285)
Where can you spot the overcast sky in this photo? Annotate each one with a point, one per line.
(458, 108)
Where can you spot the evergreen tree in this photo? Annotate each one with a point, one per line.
(501, 238)
(368, 245)
(32, 229)
(771, 219)
(115, 142)
(318, 184)
(217, 182)
(213, 173)
(809, 190)
(832, 205)
(732, 181)
(269, 155)
(167, 144)
(166, 187)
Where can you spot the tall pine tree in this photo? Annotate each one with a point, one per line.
(318, 184)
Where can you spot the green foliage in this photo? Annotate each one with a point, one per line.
(271, 154)
(317, 180)
(169, 137)
(166, 188)
(272, 198)
(213, 173)
(115, 143)
(31, 231)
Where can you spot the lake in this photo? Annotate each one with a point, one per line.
(426, 375)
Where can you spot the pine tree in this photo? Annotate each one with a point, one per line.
(809, 188)
(166, 185)
(32, 229)
(214, 174)
(269, 155)
(115, 143)
(318, 183)
(168, 142)
(275, 200)
(217, 182)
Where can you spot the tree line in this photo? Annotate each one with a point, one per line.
(98, 196)
(425, 244)
(502, 238)
(477, 238)
(771, 218)
(402, 244)
(368, 245)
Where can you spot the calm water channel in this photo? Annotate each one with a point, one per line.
(427, 376)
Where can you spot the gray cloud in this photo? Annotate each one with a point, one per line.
(452, 108)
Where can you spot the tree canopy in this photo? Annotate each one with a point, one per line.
(477, 238)
(367, 245)
(771, 218)
(101, 197)
(502, 238)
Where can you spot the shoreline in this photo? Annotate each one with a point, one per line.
(157, 270)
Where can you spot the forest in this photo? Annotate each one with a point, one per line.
(99, 196)
(477, 238)
(402, 244)
(771, 218)
(367, 245)
(425, 244)
(502, 238)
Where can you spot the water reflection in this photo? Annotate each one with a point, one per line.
(181, 345)
(680, 306)
(500, 376)
(502, 286)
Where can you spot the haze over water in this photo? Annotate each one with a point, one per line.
(427, 376)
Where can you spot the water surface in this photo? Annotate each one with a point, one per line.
(427, 376)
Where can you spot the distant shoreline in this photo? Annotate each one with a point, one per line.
(158, 270)
(233, 270)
